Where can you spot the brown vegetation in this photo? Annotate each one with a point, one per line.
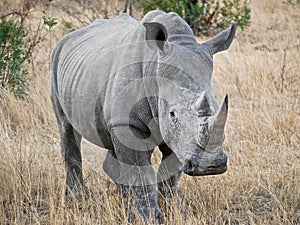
(260, 73)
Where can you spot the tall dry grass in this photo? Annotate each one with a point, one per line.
(260, 73)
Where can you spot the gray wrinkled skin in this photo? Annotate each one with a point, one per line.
(130, 86)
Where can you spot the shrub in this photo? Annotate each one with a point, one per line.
(13, 54)
(16, 47)
(205, 16)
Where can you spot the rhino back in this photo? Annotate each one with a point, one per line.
(84, 66)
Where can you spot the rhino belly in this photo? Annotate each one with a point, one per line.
(84, 119)
(78, 98)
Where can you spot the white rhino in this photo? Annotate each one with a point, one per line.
(130, 86)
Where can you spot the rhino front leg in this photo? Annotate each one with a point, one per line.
(146, 204)
(111, 167)
(70, 148)
(169, 173)
(137, 172)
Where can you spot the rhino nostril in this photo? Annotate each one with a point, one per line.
(189, 167)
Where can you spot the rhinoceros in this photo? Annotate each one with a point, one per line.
(130, 86)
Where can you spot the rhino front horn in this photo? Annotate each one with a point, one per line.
(217, 123)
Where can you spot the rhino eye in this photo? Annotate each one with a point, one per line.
(173, 115)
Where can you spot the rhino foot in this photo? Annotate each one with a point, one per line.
(123, 190)
(153, 215)
(80, 193)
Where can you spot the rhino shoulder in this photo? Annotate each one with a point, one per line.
(122, 17)
(126, 17)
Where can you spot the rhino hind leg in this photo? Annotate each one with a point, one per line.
(71, 153)
(73, 162)
(169, 173)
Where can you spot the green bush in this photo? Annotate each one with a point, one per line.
(13, 54)
(16, 47)
(205, 16)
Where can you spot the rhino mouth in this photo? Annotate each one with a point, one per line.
(193, 168)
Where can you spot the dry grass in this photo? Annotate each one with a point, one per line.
(261, 75)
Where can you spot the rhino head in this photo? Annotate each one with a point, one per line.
(199, 136)
(191, 122)
(195, 133)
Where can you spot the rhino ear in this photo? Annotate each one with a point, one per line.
(221, 41)
(156, 35)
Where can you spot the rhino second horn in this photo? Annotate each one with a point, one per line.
(201, 105)
(217, 123)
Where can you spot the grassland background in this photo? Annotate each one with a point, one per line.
(260, 73)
